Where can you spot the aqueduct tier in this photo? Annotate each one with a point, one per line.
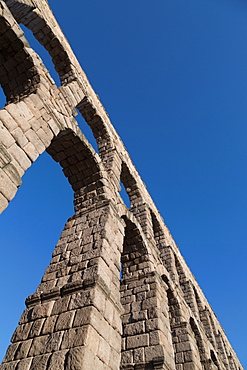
(117, 293)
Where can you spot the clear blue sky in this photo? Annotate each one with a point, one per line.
(173, 77)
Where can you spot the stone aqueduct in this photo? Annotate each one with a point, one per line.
(83, 316)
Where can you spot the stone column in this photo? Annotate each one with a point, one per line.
(73, 321)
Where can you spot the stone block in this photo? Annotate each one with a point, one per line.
(13, 174)
(114, 361)
(7, 120)
(133, 329)
(83, 316)
(40, 362)
(81, 299)
(179, 358)
(150, 303)
(24, 364)
(6, 138)
(188, 356)
(23, 349)
(3, 203)
(41, 310)
(5, 158)
(21, 332)
(20, 156)
(139, 356)
(64, 320)
(36, 328)
(9, 366)
(7, 186)
(57, 360)
(182, 347)
(100, 324)
(35, 140)
(103, 351)
(82, 358)
(49, 325)
(136, 341)
(74, 338)
(190, 366)
(10, 353)
(31, 151)
(21, 114)
(45, 344)
(60, 305)
(154, 338)
(19, 137)
(152, 352)
(127, 357)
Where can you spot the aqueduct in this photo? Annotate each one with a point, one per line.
(82, 315)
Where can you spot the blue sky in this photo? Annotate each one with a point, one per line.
(173, 77)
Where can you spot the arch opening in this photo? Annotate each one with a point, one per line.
(135, 289)
(76, 158)
(214, 359)
(42, 53)
(47, 33)
(199, 340)
(30, 228)
(18, 74)
(134, 252)
(2, 98)
(97, 125)
(86, 130)
(130, 186)
(124, 195)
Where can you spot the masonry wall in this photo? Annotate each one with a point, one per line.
(117, 293)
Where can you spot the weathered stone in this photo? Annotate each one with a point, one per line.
(7, 186)
(23, 349)
(136, 328)
(49, 325)
(116, 273)
(57, 360)
(21, 332)
(3, 202)
(64, 321)
(74, 338)
(40, 362)
(136, 341)
(6, 138)
(24, 364)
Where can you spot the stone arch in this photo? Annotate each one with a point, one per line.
(27, 130)
(198, 300)
(180, 271)
(199, 341)
(232, 362)
(19, 76)
(97, 125)
(206, 320)
(132, 190)
(76, 157)
(32, 18)
(214, 359)
(180, 332)
(175, 312)
(158, 234)
(143, 323)
(135, 253)
(46, 60)
(187, 287)
(221, 347)
(165, 250)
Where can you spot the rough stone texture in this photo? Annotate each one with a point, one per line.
(117, 293)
